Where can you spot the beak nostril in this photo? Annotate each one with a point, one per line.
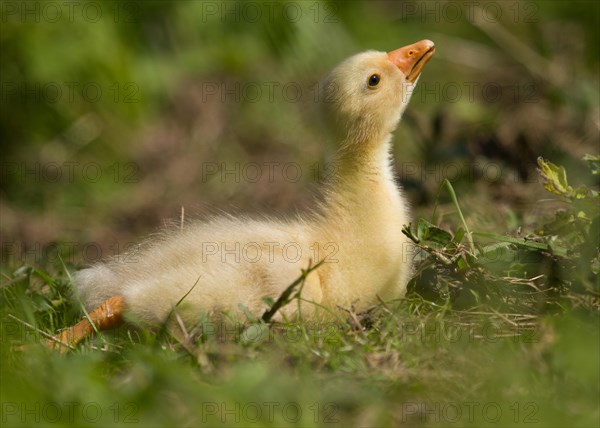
(411, 59)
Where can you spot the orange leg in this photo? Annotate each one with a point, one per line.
(106, 316)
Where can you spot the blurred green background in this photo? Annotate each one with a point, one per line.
(115, 115)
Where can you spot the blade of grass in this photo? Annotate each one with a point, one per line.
(522, 243)
(460, 214)
(43, 333)
(81, 305)
(164, 327)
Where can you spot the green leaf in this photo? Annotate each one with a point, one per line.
(459, 235)
(44, 277)
(422, 227)
(555, 178)
(593, 163)
(463, 264)
(522, 243)
(429, 232)
(269, 301)
(407, 230)
(493, 250)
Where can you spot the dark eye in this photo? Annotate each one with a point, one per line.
(374, 80)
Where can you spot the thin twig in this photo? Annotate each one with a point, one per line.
(508, 320)
(284, 298)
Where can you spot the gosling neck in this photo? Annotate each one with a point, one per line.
(360, 161)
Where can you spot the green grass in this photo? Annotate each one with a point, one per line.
(500, 326)
(487, 348)
(409, 361)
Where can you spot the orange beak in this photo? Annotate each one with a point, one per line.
(412, 58)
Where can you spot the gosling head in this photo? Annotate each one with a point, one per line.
(367, 93)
